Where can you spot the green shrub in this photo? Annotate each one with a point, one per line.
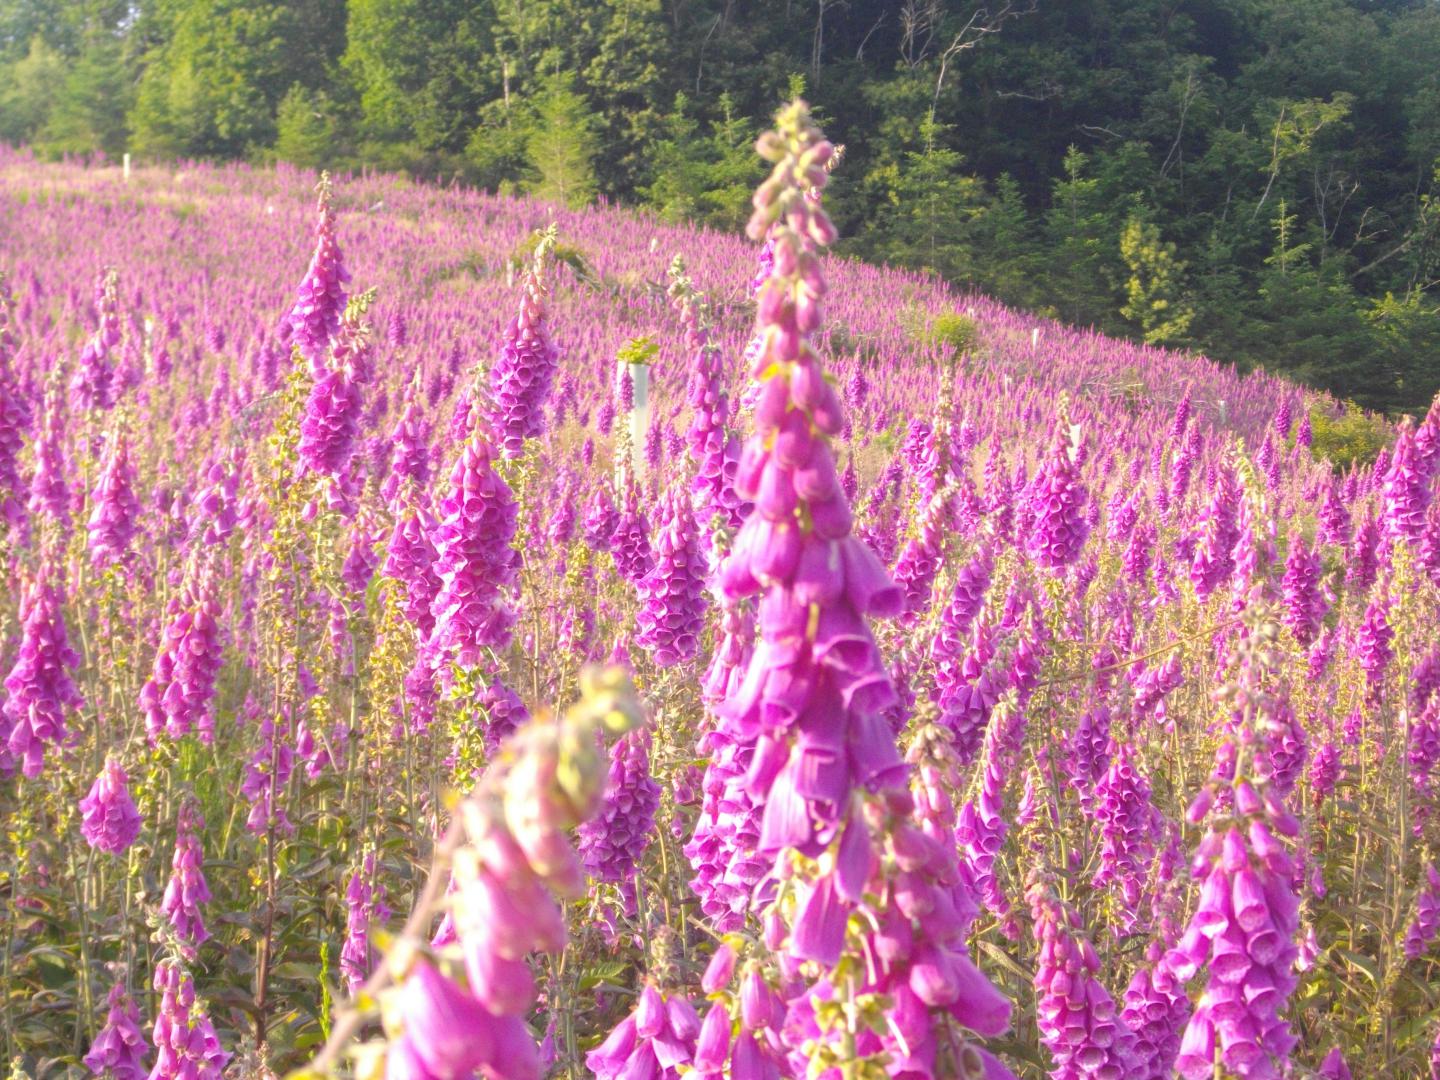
(1354, 436)
(949, 329)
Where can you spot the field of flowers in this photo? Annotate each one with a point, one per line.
(548, 643)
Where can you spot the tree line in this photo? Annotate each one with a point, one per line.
(1256, 179)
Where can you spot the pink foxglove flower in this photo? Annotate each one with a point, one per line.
(826, 768)
(1305, 603)
(49, 492)
(330, 428)
(600, 520)
(187, 890)
(1156, 1010)
(1129, 826)
(672, 619)
(1244, 929)
(94, 385)
(115, 517)
(39, 690)
(474, 561)
(654, 1041)
(1057, 504)
(1079, 1022)
(921, 557)
(505, 714)
(266, 775)
(410, 452)
(186, 1046)
(364, 909)
(410, 561)
(525, 372)
(1334, 1067)
(1425, 923)
(630, 541)
(1406, 489)
(518, 856)
(14, 414)
(109, 820)
(179, 696)
(613, 842)
(714, 448)
(1372, 644)
(722, 847)
(314, 322)
(1213, 559)
(120, 1049)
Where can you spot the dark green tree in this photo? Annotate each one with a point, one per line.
(305, 126)
(704, 177)
(561, 146)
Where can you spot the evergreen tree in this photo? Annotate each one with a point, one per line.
(1152, 291)
(212, 89)
(930, 206)
(704, 178)
(304, 128)
(562, 145)
(626, 75)
(1080, 229)
(29, 88)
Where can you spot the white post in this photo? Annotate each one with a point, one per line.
(1034, 337)
(126, 165)
(639, 415)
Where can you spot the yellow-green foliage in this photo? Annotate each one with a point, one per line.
(1353, 436)
(949, 328)
(1152, 290)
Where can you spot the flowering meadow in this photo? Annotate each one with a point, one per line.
(447, 635)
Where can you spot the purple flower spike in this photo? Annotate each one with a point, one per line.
(14, 414)
(1129, 825)
(1156, 1009)
(525, 373)
(1305, 603)
(410, 452)
(365, 908)
(1057, 505)
(115, 517)
(1426, 922)
(186, 1045)
(808, 721)
(1213, 559)
(505, 714)
(630, 540)
(613, 842)
(922, 556)
(39, 690)
(94, 385)
(330, 427)
(713, 447)
(1244, 929)
(314, 321)
(109, 820)
(1372, 643)
(1334, 1067)
(474, 561)
(410, 560)
(187, 889)
(1406, 490)
(1078, 1020)
(120, 1049)
(652, 1042)
(179, 696)
(673, 617)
